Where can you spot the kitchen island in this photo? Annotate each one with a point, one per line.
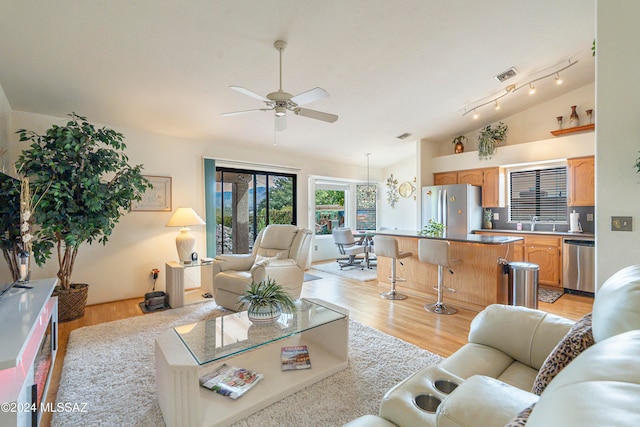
(478, 280)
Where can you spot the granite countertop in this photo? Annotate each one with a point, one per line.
(465, 238)
(551, 233)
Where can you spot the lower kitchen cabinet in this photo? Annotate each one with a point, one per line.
(544, 251)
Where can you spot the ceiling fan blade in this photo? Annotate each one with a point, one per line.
(318, 115)
(281, 123)
(309, 96)
(235, 113)
(249, 93)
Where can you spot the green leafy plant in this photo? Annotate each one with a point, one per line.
(487, 215)
(267, 293)
(637, 164)
(459, 140)
(433, 228)
(86, 184)
(489, 139)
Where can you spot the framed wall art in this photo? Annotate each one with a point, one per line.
(156, 199)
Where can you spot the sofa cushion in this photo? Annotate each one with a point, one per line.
(615, 308)
(521, 419)
(578, 339)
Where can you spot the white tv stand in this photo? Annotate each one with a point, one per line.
(29, 337)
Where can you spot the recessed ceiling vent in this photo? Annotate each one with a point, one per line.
(507, 74)
(404, 135)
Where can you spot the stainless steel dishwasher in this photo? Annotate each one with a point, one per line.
(579, 265)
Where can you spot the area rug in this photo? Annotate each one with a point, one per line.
(548, 295)
(309, 277)
(355, 273)
(110, 367)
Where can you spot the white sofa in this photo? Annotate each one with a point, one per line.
(507, 347)
(280, 252)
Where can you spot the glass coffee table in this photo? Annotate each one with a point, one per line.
(185, 353)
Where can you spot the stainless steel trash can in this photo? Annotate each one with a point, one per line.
(523, 284)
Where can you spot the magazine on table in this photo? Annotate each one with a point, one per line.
(295, 357)
(230, 381)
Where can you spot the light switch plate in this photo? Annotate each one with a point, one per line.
(621, 223)
(496, 216)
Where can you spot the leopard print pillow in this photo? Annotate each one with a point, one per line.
(521, 419)
(578, 339)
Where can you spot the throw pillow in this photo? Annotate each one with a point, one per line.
(578, 339)
(521, 419)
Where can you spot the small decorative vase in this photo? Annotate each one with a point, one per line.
(264, 313)
(458, 148)
(590, 116)
(559, 119)
(574, 120)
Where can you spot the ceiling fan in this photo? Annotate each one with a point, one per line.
(281, 101)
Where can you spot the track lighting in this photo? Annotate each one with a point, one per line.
(512, 88)
(558, 79)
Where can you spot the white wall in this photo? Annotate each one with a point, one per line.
(5, 129)
(405, 214)
(140, 242)
(617, 133)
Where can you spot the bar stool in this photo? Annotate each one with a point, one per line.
(438, 252)
(388, 247)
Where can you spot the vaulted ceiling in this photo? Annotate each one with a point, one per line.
(390, 67)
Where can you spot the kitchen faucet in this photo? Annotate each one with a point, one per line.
(533, 222)
(552, 221)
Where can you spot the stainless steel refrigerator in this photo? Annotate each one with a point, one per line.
(458, 206)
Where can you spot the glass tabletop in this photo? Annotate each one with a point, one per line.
(224, 336)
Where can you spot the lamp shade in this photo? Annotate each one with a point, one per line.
(184, 217)
(185, 242)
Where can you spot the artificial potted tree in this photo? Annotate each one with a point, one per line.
(265, 300)
(84, 184)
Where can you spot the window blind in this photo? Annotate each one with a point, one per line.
(539, 192)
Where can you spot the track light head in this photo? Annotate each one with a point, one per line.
(532, 89)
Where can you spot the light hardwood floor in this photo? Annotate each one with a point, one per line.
(404, 319)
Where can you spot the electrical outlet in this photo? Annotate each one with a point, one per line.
(621, 223)
(316, 248)
(496, 216)
(590, 217)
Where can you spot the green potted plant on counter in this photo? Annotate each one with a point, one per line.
(433, 229)
(85, 185)
(489, 139)
(487, 218)
(265, 300)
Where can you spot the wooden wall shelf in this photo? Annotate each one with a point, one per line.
(573, 129)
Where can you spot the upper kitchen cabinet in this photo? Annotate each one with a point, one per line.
(581, 181)
(445, 178)
(490, 179)
(473, 177)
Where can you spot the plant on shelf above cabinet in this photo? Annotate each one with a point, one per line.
(489, 138)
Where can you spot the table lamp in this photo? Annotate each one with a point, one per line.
(185, 242)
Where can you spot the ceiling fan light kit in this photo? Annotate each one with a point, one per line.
(281, 101)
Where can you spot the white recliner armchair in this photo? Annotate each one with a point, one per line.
(524, 363)
(280, 252)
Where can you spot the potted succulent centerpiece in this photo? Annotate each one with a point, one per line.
(489, 139)
(265, 301)
(85, 184)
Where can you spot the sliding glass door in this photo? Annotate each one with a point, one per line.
(246, 202)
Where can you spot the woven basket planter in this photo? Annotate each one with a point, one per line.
(72, 301)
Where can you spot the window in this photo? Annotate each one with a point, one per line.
(246, 202)
(538, 192)
(329, 208)
(366, 207)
